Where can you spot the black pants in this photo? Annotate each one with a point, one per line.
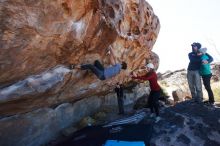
(206, 81)
(120, 104)
(153, 102)
(97, 69)
(120, 95)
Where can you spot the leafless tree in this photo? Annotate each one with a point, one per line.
(213, 44)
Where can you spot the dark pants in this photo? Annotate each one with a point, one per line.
(206, 81)
(153, 102)
(120, 104)
(120, 96)
(97, 69)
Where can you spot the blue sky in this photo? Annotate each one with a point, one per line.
(182, 23)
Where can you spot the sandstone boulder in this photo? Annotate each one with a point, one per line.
(39, 39)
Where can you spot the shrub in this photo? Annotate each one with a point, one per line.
(216, 92)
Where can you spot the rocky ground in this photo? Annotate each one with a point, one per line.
(185, 124)
(188, 124)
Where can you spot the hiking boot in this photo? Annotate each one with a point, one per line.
(152, 115)
(206, 102)
(121, 113)
(212, 103)
(198, 102)
(192, 101)
(157, 119)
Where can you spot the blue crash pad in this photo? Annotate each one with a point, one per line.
(124, 143)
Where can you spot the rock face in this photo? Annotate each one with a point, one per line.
(215, 71)
(39, 39)
(178, 95)
(38, 127)
(45, 124)
(175, 85)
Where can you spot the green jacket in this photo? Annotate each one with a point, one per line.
(205, 69)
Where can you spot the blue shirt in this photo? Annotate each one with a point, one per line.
(112, 71)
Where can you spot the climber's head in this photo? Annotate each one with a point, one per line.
(124, 65)
(150, 67)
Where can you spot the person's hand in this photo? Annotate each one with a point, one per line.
(78, 66)
(205, 62)
(133, 74)
(199, 54)
(108, 52)
(147, 69)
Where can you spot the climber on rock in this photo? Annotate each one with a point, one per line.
(101, 72)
